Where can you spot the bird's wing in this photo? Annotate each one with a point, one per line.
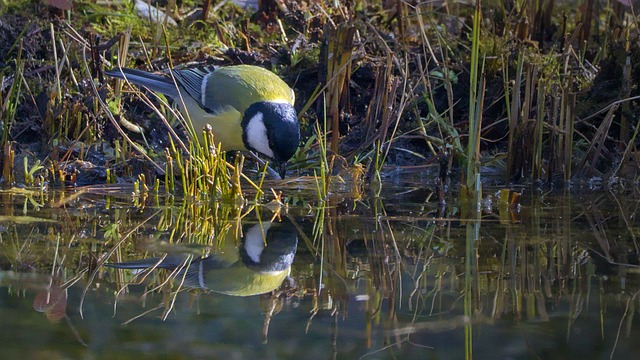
(193, 271)
(240, 86)
(193, 81)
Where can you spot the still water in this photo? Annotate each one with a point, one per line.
(543, 276)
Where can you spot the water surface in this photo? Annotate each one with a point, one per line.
(552, 275)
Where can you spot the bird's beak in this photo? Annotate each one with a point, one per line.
(282, 170)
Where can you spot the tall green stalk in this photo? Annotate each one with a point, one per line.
(475, 111)
(322, 184)
(537, 165)
(513, 111)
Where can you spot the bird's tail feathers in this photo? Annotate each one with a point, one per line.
(138, 264)
(153, 82)
(169, 262)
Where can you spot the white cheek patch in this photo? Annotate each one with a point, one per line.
(254, 241)
(257, 135)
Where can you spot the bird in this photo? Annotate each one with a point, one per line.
(259, 265)
(248, 107)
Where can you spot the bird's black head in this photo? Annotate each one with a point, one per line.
(271, 129)
(269, 247)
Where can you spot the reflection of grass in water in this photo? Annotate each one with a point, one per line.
(517, 277)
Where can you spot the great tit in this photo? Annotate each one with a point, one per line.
(258, 266)
(248, 107)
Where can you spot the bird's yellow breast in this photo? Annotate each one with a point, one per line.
(225, 125)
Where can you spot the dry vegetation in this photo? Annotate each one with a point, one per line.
(536, 90)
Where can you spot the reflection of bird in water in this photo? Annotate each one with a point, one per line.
(259, 266)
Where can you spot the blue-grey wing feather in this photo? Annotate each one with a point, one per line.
(191, 80)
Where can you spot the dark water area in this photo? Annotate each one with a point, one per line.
(548, 275)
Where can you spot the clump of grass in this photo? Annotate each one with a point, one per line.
(31, 171)
(204, 171)
(9, 103)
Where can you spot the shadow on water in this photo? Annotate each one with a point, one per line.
(398, 276)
